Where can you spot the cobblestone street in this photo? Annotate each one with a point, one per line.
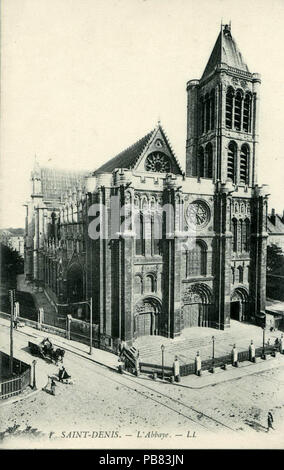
(137, 412)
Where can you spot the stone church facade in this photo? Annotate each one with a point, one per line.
(193, 251)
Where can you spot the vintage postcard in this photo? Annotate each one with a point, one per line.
(142, 226)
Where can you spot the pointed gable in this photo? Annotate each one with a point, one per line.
(134, 156)
(226, 52)
(157, 147)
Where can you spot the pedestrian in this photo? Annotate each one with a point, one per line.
(52, 387)
(60, 373)
(65, 376)
(269, 421)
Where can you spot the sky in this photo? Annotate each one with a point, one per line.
(83, 79)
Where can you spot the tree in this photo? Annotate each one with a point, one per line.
(275, 260)
(12, 264)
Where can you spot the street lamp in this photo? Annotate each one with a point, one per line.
(34, 375)
(90, 303)
(213, 352)
(263, 343)
(163, 350)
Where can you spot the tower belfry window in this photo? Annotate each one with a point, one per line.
(201, 162)
(238, 111)
(246, 113)
(229, 108)
(208, 161)
(232, 150)
(244, 157)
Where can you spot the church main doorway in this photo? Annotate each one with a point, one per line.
(239, 305)
(146, 317)
(197, 306)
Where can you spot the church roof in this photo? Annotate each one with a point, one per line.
(226, 52)
(127, 158)
(132, 156)
(56, 182)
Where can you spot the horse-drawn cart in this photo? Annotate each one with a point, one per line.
(46, 350)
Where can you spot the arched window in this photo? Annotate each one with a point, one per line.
(207, 113)
(238, 111)
(241, 274)
(212, 98)
(156, 233)
(208, 161)
(201, 115)
(150, 283)
(197, 260)
(229, 108)
(201, 162)
(235, 235)
(247, 113)
(233, 275)
(241, 235)
(247, 235)
(244, 164)
(140, 239)
(232, 153)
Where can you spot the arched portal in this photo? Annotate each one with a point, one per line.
(146, 317)
(197, 306)
(75, 283)
(239, 304)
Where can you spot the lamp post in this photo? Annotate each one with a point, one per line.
(263, 343)
(12, 301)
(34, 375)
(213, 352)
(90, 303)
(163, 350)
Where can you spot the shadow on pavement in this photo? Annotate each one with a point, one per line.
(256, 426)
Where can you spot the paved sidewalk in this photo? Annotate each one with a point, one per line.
(99, 356)
(111, 361)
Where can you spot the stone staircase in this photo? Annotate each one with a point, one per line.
(199, 339)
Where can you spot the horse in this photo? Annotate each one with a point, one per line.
(57, 355)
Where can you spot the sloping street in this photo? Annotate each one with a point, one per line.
(104, 409)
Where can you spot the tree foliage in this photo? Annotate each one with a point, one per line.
(11, 262)
(275, 260)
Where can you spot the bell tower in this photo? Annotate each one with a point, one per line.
(222, 117)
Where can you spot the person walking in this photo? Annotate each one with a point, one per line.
(269, 421)
(52, 387)
(60, 373)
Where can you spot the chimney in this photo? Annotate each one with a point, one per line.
(272, 216)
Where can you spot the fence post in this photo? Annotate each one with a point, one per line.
(68, 326)
(40, 317)
(198, 364)
(235, 356)
(176, 369)
(137, 366)
(252, 352)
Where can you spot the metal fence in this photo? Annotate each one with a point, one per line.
(188, 369)
(148, 368)
(15, 385)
